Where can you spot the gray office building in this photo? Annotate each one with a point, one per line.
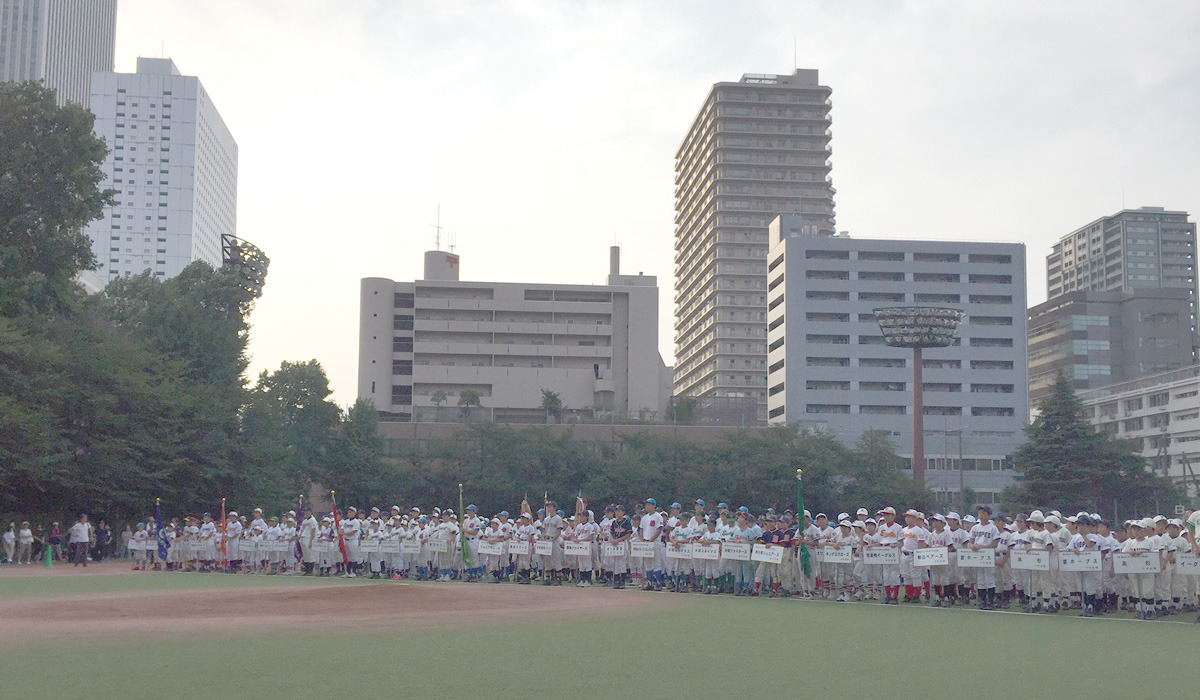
(58, 42)
(1101, 338)
(830, 369)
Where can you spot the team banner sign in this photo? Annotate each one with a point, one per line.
(679, 551)
(881, 556)
(1124, 563)
(390, 547)
(834, 555)
(1031, 561)
(1083, 561)
(932, 556)
(641, 550)
(440, 546)
(369, 546)
(1187, 564)
(407, 546)
(577, 549)
(612, 550)
(518, 549)
(544, 548)
(736, 551)
(704, 550)
(767, 553)
(494, 549)
(982, 559)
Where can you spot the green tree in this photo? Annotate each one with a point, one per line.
(683, 410)
(357, 468)
(297, 396)
(49, 189)
(552, 404)
(468, 399)
(1070, 466)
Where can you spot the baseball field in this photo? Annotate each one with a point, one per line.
(107, 632)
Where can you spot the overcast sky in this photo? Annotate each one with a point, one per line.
(547, 130)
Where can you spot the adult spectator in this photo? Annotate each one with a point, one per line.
(126, 535)
(24, 543)
(81, 540)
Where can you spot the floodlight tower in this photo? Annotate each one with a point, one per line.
(918, 327)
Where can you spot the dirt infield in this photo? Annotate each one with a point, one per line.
(297, 608)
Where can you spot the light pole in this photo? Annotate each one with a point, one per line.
(918, 327)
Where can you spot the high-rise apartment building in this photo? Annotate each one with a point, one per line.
(426, 345)
(59, 42)
(831, 367)
(174, 165)
(1146, 248)
(1121, 301)
(759, 147)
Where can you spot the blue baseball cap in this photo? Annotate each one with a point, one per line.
(652, 502)
(504, 513)
(744, 509)
(472, 507)
(676, 505)
(700, 502)
(723, 505)
(561, 513)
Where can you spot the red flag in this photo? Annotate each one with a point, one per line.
(337, 525)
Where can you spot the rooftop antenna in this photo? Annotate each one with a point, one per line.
(453, 241)
(437, 236)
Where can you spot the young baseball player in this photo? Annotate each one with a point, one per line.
(889, 536)
(620, 533)
(1142, 585)
(912, 538)
(712, 567)
(843, 573)
(746, 533)
(985, 536)
(652, 531)
(939, 576)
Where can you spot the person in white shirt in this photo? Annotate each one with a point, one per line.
(939, 576)
(81, 538)
(912, 538)
(651, 527)
(473, 526)
(889, 532)
(308, 541)
(351, 533)
(10, 543)
(985, 536)
(1140, 545)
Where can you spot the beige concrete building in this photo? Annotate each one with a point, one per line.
(423, 345)
(759, 147)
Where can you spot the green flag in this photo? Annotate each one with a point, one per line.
(805, 560)
(462, 531)
(49, 557)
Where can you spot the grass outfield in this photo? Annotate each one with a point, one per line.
(697, 645)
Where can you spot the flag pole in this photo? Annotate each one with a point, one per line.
(224, 555)
(805, 560)
(337, 525)
(462, 531)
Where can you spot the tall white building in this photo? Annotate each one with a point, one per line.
(423, 345)
(759, 147)
(174, 165)
(831, 369)
(59, 42)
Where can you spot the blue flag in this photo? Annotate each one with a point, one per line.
(162, 534)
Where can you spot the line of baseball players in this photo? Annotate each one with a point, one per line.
(552, 547)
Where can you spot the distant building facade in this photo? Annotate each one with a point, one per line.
(1097, 338)
(1160, 415)
(174, 165)
(58, 42)
(1146, 248)
(830, 368)
(423, 345)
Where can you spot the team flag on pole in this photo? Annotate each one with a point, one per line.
(337, 525)
(161, 533)
(462, 531)
(805, 560)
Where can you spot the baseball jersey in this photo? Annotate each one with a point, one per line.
(984, 535)
(620, 528)
(889, 535)
(652, 524)
(912, 537)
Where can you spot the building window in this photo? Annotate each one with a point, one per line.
(402, 367)
(402, 323)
